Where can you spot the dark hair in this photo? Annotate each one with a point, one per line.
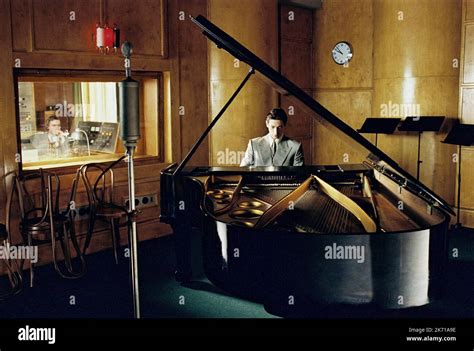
(279, 114)
(50, 119)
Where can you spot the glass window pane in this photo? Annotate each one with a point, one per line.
(67, 119)
(75, 119)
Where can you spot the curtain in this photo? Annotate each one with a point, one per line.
(99, 101)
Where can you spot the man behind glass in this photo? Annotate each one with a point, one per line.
(55, 142)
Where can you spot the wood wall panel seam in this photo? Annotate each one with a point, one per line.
(32, 26)
(342, 90)
(38, 60)
(464, 108)
(164, 29)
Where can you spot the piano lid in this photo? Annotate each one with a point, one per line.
(376, 157)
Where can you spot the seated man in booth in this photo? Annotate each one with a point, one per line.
(274, 149)
(54, 142)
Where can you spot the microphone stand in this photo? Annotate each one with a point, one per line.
(132, 230)
(130, 142)
(78, 130)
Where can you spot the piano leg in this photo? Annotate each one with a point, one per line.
(182, 242)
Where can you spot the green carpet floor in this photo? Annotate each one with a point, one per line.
(105, 292)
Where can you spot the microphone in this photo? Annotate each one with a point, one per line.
(76, 135)
(129, 117)
(128, 102)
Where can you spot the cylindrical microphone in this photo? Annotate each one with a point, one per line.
(128, 103)
(129, 117)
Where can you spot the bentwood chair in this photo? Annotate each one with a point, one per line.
(15, 279)
(99, 183)
(42, 221)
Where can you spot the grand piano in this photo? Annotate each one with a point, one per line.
(366, 234)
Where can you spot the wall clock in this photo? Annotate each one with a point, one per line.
(342, 53)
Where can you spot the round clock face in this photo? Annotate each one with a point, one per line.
(342, 53)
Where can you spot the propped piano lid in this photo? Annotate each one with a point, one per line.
(376, 157)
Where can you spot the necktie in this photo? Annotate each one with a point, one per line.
(274, 148)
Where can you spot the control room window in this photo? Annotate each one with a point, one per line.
(74, 119)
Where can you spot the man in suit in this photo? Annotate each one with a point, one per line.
(274, 149)
(52, 143)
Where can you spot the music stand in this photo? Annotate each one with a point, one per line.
(421, 124)
(379, 126)
(460, 135)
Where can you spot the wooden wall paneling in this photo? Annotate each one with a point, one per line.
(467, 105)
(244, 20)
(143, 23)
(426, 96)
(467, 217)
(22, 20)
(150, 127)
(296, 24)
(228, 66)
(342, 20)
(194, 82)
(411, 80)
(8, 141)
(141, 145)
(53, 29)
(185, 81)
(307, 144)
(345, 91)
(468, 55)
(147, 183)
(462, 93)
(467, 179)
(167, 145)
(145, 186)
(296, 62)
(47, 27)
(172, 87)
(350, 106)
(245, 118)
(142, 172)
(86, 61)
(161, 115)
(301, 122)
(466, 110)
(469, 10)
(101, 240)
(438, 170)
(410, 42)
(296, 35)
